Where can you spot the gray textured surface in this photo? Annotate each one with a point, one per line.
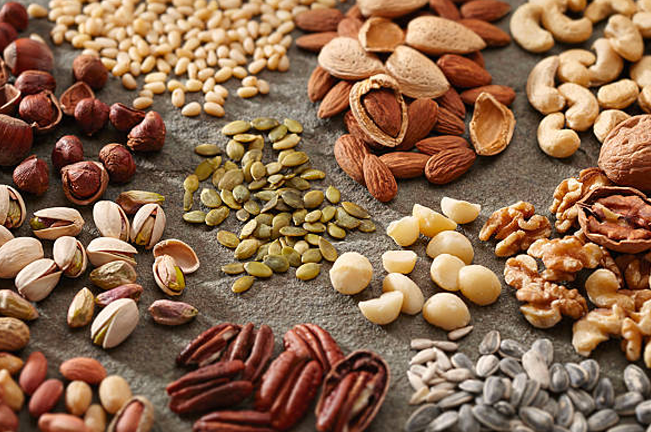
(146, 359)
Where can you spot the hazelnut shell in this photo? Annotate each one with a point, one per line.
(35, 81)
(25, 54)
(32, 175)
(73, 94)
(84, 182)
(9, 99)
(42, 110)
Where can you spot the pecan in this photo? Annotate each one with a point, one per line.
(617, 218)
(208, 346)
(517, 227)
(353, 393)
(564, 257)
(313, 342)
(234, 421)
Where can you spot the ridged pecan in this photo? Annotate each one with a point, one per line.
(234, 421)
(208, 346)
(311, 341)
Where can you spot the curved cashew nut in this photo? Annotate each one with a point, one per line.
(554, 140)
(564, 28)
(602, 287)
(618, 95)
(608, 65)
(643, 5)
(624, 37)
(644, 99)
(641, 71)
(541, 92)
(642, 21)
(573, 66)
(606, 121)
(576, 5)
(584, 108)
(526, 30)
(602, 9)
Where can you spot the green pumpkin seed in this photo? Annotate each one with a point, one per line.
(367, 226)
(231, 179)
(257, 143)
(355, 210)
(275, 179)
(207, 150)
(257, 184)
(345, 220)
(245, 138)
(293, 126)
(258, 269)
(293, 257)
(281, 220)
(308, 271)
(270, 205)
(299, 183)
(313, 174)
(336, 231)
(312, 239)
(313, 216)
(258, 170)
(303, 168)
(235, 150)
(228, 199)
(288, 142)
(228, 239)
(248, 228)
(217, 176)
(246, 249)
(230, 165)
(263, 232)
(328, 251)
(292, 198)
(246, 171)
(277, 133)
(299, 216)
(215, 162)
(327, 213)
(275, 247)
(210, 198)
(263, 251)
(317, 227)
(264, 218)
(264, 123)
(236, 127)
(217, 216)
(242, 215)
(332, 194)
(242, 284)
(188, 199)
(273, 168)
(295, 159)
(241, 193)
(233, 268)
(196, 216)
(253, 155)
(204, 170)
(301, 246)
(311, 256)
(293, 231)
(191, 183)
(252, 207)
(277, 263)
(265, 195)
(313, 199)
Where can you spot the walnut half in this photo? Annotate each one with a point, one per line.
(564, 257)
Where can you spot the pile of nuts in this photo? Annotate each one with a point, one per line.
(209, 42)
(129, 412)
(351, 75)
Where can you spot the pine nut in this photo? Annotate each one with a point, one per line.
(129, 82)
(263, 87)
(250, 81)
(247, 92)
(142, 102)
(178, 98)
(192, 109)
(193, 85)
(214, 109)
(36, 11)
(211, 96)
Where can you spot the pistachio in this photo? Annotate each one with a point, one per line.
(168, 275)
(172, 313)
(110, 220)
(132, 291)
(12, 207)
(52, 223)
(113, 274)
(242, 284)
(148, 225)
(37, 280)
(185, 257)
(5, 235)
(115, 323)
(80, 312)
(13, 305)
(132, 200)
(70, 255)
(106, 249)
(14, 334)
(136, 415)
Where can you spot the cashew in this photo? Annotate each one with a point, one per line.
(554, 140)
(642, 21)
(644, 99)
(573, 66)
(643, 5)
(624, 37)
(564, 28)
(641, 71)
(618, 95)
(608, 65)
(606, 121)
(576, 5)
(526, 30)
(584, 108)
(541, 92)
(602, 9)
(602, 286)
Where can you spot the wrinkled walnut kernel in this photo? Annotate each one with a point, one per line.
(564, 257)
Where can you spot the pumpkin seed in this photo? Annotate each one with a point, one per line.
(233, 268)
(245, 138)
(236, 127)
(258, 269)
(293, 231)
(313, 216)
(263, 251)
(308, 271)
(311, 256)
(317, 227)
(191, 183)
(273, 168)
(215, 162)
(241, 193)
(271, 204)
(344, 219)
(210, 198)
(203, 171)
(252, 207)
(293, 257)
(336, 231)
(313, 174)
(242, 284)
(313, 199)
(264, 218)
(328, 251)
(332, 194)
(276, 262)
(207, 150)
(275, 179)
(242, 215)
(257, 184)
(367, 226)
(265, 195)
(246, 171)
(188, 199)
(355, 210)
(228, 239)
(312, 239)
(299, 216)
(258, 170)
(293, 126)
(235, 150)
(217, 176)
(277, 133)
(253, 155)
(196, 216)
(264, 123)
(275, 248)
(231, 179)
(257, 143)
(292, 198)
(246, 249)
(228, 199)
(301, 246)
(217, 216)
(327, 213)
(248, 228)
(288, 142)
(263, 232)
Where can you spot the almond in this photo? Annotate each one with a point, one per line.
(445, 9)
(349, 27)
(504, 94)
(422, 114)
(433, 145)
(418, 76)
(319, 20)
(447, 123)
(315, 41)
(449, 164)
(34, 372)
(350, 153)
(83, 369)
(478, 58)
(336, 100)
(319, 84)
(389, 9)
(435, 35)
(452, 102)
(45, 397)
(405, 165)
(486, 10)
(353, 128)
(463, 72)
(380, 182)
(383, 108)
(491, 34)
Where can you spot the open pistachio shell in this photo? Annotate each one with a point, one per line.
(9, 99)
(111, 221)
(380, 35)
(345, 58)
(417, 75)
(168, 275)
(18, 253)
(148, 225)
(183, 254)
(115, 323)
(70, 256)
(37, 280)
(12, 207)
(5, 235)
(492, 125)
(106, 249)
(52, 223)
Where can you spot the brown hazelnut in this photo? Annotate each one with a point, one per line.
(149, 135)
(125, 118)
(9, 99)
(25, 54)
(8, 34)
(5, 74)
(84, 182)
(32, 175)
(91, 115)
(35, 81)
(68, 150)
(42, 110)
(73, 94)
(14, 14)
(118, 162)
(91, 70)
(16, 139)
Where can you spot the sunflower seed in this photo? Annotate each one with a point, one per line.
(551, 407)
(494, 390)
(443, 385)
(446, 346)
(455, 400)
(491, 343)
(602, 420)
(630, 427)
(472, 386)
(460, 333)
(519, 385)
(460, 360)
(579, 423)
(418, 397)
(437, 394)
(511, 367)
(625, 403)
(507, 388)
(522, 428)
(423, 356)
(643, 412)
(415, 381)
(511, 348)
(537, 419)
(582, 400)
(559, 379)
(531, 390)
(565, 411)
(604, 394)
(536, 367)
(420, 418)
(541, 399)
(490, 418)
(442, 361)
(578, 375)
(487, 365)
(545, 348)
(467, 422)
(636, 380)
(457, 375)
(443, 421)
(592, 368)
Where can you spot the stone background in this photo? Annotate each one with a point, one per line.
(146, 359)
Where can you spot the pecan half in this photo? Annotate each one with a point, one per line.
(564, 257)
(312, 341)
(353, 393)
(208, 346)
(234, 421)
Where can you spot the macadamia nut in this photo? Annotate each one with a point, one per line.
(399, 261)
(446, 311)
(453, 243)
(445, 271)
(404, 231)
(479, 284)
(351, 273)
(430, 222)
(384, 309)
(413, 296)
(461, 212)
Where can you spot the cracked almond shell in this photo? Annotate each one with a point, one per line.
(345, 58)
(362, 88)
(492, 125)
(389, 8)
(435, 35)
(380, 35)
(417, 75)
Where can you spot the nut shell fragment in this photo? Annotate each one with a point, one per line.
(345, 58)
(380, 35)
(436, 36)
(185, 257)
(417, 75)
(492, 125)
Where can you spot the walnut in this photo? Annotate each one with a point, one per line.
(603, 290)
(636, 270)
(516, 226)
(565, 257)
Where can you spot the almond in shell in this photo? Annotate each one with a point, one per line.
(345, 58)
(449, 164)
(405, 165)
(436, 36)
(389, 8)
(492, 125)
(417, 75)
(350, 152)
(319, 20)
(380, 35)
(319, 84)
(463, 72)
(315, 41)
(336, 100)
(380, 181)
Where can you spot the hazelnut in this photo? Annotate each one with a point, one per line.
(16, 139)
(73, 94)
(9, 99)
(84, 182)
(25, 54)
(149, 135)
(68, 150)
(8, 34)
(35, 81)
(91, 115)
(14, 14)
(42, 110)
(125, 118)
(5, 74)
(118, 162)
(89, 69)
(32, 175)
